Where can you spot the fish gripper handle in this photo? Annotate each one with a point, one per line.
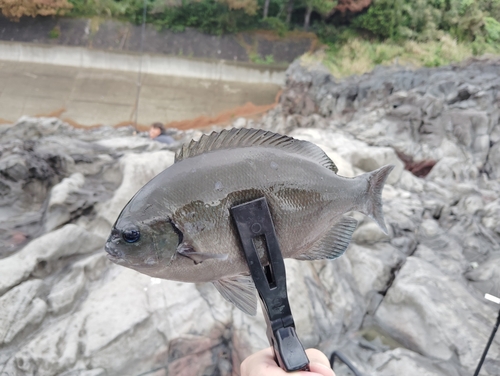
(263, 255)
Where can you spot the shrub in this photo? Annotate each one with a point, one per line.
(464, 20)
(55, 33)
(403, 19)
(326, 32)
(491, 8)
(209, 16)
(426, 20)
(256, 58)
(276, 24)
(381, 19)
(492, 28)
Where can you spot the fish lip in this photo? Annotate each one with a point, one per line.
(115, 259)
(123, 261)
(113, 254)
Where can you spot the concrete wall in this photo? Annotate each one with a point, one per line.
(152, 64)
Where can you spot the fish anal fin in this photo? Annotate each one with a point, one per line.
(239, 290)
(237, 138)
(199, 257)
(334, 243)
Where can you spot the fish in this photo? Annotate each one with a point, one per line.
(178, 226)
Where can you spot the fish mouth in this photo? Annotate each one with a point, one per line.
(116, 260)
(113, 254)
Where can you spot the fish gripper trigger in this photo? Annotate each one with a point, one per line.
(256, 230)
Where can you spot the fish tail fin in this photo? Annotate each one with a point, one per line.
(373, 206)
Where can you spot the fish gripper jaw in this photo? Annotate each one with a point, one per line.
(255, 228)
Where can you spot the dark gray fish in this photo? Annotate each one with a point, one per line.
(178, 225)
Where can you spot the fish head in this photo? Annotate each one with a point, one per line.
(143, 245)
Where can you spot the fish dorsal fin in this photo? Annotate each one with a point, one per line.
(239, 290)
(233, 138)
(334, 243)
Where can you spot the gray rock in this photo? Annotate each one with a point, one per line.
(410, 182)
(491, 218)
(402, 361)
(372, 267)
(369, 232)
(240, 123)
(435, 315)
(493, 162)
(370, 159)
(62, 201)
(22, 307)
(440, 249)
(64, 293)
(43, 254)
(137, 170)
(486, 277)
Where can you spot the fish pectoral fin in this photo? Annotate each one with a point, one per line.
(334, 243)
(199, 257)
(239, 290)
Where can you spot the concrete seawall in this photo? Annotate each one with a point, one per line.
(151, 64)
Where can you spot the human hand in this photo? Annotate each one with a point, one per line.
(263, 364)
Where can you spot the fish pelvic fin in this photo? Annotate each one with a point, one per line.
(239, 290)
(334, 243)
(373, 206)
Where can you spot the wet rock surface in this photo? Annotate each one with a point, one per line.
(410, 303)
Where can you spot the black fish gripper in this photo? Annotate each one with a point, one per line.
(255, 228)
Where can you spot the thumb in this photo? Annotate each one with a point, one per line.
(319, 363)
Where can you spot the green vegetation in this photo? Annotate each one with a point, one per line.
(211, 17)
(418, 32)
(358, 56)
(492, 28)
(55, 33)
(255, 58)
(108, 8)
(411, 32)
(423, 20)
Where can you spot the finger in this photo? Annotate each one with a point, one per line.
(319, 363)
(316, 356)
(261, 363)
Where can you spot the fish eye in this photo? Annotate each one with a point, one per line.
(131, 235)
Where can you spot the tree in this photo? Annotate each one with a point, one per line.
(491, 7)
(15, 9)
(464, 20)
(289, 10)
(323, 7)
(425, 20)
(266, 9)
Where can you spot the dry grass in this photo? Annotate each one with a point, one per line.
(360, 56)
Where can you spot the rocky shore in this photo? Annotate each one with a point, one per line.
(410, 303)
